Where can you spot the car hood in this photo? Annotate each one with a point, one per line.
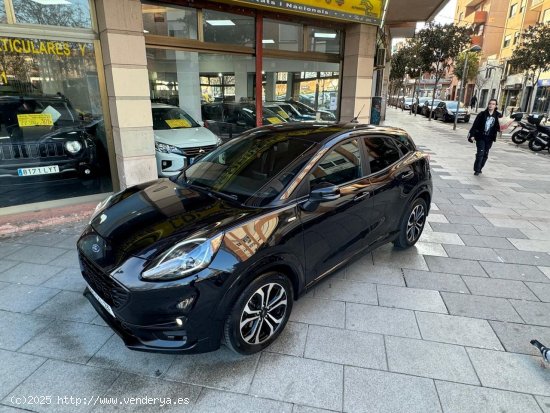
(186, 137)
(42, 134)
(149, 218)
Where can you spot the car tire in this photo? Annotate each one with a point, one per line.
(265, 321)
(412, 224)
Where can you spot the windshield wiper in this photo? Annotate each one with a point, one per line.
(210, 191)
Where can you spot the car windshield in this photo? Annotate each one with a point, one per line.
(252, 169)
(172, 118)
(451, 105)
(436, 102)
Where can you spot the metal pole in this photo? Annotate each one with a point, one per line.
(259, 66)
(461, 89)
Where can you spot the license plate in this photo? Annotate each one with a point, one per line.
(41, 170)
(101, 301)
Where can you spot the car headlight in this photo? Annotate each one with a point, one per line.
(218, 141)
(183, 259)
(165, 148)
(73, 147)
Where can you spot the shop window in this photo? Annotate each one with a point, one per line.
(52, 135)
(75, 13)
(2, 13)
(228, 28)
(324, 40)
(283, 36)
(180, 22)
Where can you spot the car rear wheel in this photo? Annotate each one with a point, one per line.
(412, 224)
(259, 314)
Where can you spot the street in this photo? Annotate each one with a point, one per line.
(441, 327)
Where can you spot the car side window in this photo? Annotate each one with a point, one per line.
(441, 105)
(341, 164)
(404, 144)
(382, 152)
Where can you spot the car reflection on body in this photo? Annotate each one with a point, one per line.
(220, 252)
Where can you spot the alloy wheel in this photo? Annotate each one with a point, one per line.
(263, 313)
(415, 224)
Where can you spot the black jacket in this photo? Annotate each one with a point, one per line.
(478, 128)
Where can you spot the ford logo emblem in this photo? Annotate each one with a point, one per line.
(96, 248)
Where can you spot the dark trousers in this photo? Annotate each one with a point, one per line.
(482, 154)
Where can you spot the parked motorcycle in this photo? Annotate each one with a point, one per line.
(527, 132)
(541, 140)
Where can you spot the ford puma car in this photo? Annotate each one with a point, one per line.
(220, 252)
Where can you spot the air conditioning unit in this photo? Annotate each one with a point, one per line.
(380, 58)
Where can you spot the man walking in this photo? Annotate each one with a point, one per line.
(473, 102)
(484, 131)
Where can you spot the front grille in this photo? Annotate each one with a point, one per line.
(113, 293)
(32, 151)
(193, 152)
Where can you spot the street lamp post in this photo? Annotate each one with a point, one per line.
(475, 48)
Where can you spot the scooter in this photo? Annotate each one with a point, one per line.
(541, 140)
(528, 131)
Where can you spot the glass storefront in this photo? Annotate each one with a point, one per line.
(53, 142)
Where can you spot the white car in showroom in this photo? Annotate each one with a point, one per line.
(179, 139)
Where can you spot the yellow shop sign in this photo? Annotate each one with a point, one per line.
(40, 47)
(361, 11)
(35, 119)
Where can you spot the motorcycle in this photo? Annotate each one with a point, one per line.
(527, 132)
(541, 140)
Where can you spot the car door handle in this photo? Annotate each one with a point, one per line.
(359, 197)
(406, 175)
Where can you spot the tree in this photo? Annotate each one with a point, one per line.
(473, 65)
(439, 46)
(532, 56)
(55, 14)
(397, 72)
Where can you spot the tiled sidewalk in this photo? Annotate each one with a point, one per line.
(443, 327)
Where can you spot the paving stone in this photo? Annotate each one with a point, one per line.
(435, 281)
(307, 409)
(14, 368)
(7, 248)
(470, 202)
(76, 342)
(464, 331)
(344, 290)
(69, 279)
(429, 359)
(520, 224)
(469, 220)
(411, 298)
(7, 409)
(21, 298)
(454, 228)
(44, 239)
(480, 307)
(492, 231)
(487, 242)
(5, 265)
(536, 234)
(69, 259)
(126, 386)
(523, 257)
(441, 238)
(297, 380)
(381, 320)
(531, 245)
(372, 391)
(542, 291)
(473, 399)
(467, 210)
(496, 212)
(319, 311)
(353, 348)
(455, 266)
(516, 337)
(115, 355)
(31, 274)
(429, 248)
(292, 340)
(509, 371)
(437, 218)
(379, 274)
(472, 253)
(19, 328)
(499, 288)
(389, 256)
(514, 272)
(36, 255)
(222, 369)
(60, 379)
(214, 401)
(533, 312)
(68, 305)
(3, 285)
(544, 403)
(545, 271)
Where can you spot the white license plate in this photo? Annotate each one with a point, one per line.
(101, 301)
(41, 170)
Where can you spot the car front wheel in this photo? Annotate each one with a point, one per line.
(412, 224)
(259, 314)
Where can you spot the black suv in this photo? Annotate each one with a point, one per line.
(220, 252)
(43, 137)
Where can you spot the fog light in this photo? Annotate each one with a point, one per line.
(185, 305)
(179, 322)
(87, 171)
(166, 164)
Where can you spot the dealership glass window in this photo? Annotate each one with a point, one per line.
(228, 28)
(52, 136)
(180, 22)
(324, 40)
(68, 13)
(283, 36)
(312, 84)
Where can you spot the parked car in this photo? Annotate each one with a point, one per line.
(407, 103)
(425, 110)
(179, 139)
(43, 138)
(220, 252)
(300, 111)
(446, 111)
(417, 105)
(228, 120)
